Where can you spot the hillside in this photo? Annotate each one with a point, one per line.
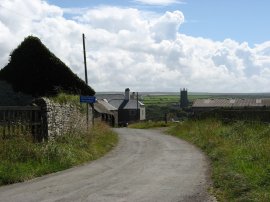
(34, 70)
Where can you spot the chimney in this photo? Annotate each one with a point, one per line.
(127, 94)
(133, 96)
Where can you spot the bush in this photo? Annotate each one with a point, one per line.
(34, 70)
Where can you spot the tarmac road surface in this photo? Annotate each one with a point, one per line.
(146, 166)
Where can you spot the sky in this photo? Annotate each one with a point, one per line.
(150, 45)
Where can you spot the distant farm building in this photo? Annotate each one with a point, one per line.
(242, 108)
(120, 109)
(207, 104)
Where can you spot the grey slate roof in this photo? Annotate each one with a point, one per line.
(109, 96)
(102, 106)
(208, 103)
(125, 104)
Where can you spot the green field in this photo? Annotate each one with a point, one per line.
(160, 99)
(160, 105)
(168, 99)
(164, 99)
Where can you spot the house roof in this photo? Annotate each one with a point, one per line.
(109, 96)
(102, 106)
(125, 104)
(230, 102)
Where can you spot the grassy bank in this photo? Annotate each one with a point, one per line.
(21, 159)
(239, 153)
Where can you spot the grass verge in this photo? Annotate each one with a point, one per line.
(239, 153)
(21, 159)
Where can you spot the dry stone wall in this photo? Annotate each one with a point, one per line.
(62, 118)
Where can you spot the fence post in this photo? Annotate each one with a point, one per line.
(44, 121)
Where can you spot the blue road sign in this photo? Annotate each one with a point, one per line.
(88, 99)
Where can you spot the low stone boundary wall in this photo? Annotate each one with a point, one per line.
(61, 118)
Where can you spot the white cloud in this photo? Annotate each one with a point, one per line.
(131, 48)
(158, 2)
(167, 26)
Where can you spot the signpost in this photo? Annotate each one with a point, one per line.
(87, 99)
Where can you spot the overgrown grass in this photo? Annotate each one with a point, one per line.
(64, 98)
(240, 155)
(150, 124)
(21, 159)
(74, 100)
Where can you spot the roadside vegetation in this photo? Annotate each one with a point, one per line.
(22, 159)
(74, 100)
(239, 153)
(64, 98)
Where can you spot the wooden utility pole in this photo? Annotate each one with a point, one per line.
(84, 57)
(86, 79)
(138, 111)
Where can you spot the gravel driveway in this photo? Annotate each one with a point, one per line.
(146, 166)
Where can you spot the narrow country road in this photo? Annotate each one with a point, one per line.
(146, 166)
